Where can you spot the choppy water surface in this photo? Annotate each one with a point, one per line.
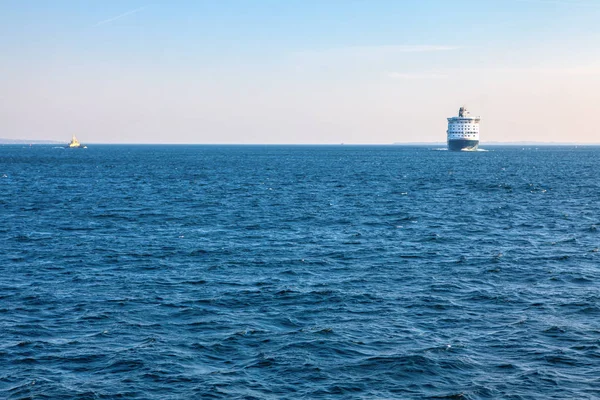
(168, 272)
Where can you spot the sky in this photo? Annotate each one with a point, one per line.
(298, 71)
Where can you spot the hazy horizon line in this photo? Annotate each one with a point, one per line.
(5, 141)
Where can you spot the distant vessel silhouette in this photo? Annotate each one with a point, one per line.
(74, 144)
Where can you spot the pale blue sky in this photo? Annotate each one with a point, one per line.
(298, 71)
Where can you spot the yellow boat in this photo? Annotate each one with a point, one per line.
(74, 144)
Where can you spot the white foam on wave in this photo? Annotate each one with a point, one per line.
(465, 150)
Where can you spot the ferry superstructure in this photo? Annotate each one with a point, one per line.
(463, 131)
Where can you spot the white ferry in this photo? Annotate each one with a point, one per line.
(463, 131)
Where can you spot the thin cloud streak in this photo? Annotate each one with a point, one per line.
(581, 70)
(558, 2)
(587, 70)
(412, 76)
(106, 21)
(384, 49)
(351, 55)
(410, 48)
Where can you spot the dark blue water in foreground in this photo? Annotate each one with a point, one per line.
(173, 272)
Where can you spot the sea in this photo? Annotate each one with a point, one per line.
(299, 272)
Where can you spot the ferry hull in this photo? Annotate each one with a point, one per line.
(463, 145)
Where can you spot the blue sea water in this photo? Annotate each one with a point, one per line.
(310, 272)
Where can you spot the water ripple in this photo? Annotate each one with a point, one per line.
(267, 272)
